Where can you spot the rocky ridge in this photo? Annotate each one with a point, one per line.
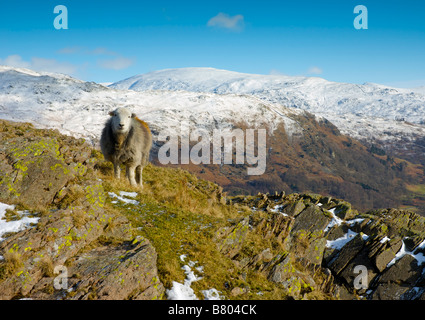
(52, 176)
(326, 236)
(268, 246)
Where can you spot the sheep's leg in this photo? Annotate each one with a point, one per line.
(117, 170)
(139, 171)
(131, 175)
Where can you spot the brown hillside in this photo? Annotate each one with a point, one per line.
(321, 160)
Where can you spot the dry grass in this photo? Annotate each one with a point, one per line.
(79, 217)
(46, 266)
(11, 264)
(181, 214)
(176, 187)
(73, 195)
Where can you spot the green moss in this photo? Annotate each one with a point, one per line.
(64, 168)
(95, 195)
(80, 169)
(38, 148)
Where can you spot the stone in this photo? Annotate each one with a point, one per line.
(275, 225)
(282, 270)
(237, 291)
(35, 168)
(405, 270)
(367, 275)
(311, 219)
(346, 254)
(231, 239)
(387, 253)
(389, 291)
(343, 210)
(125, 271)
(294, 208)
(266, 255)
(412, 242)
(398, 280)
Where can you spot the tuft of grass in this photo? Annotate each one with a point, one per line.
(73, 196)
(46, 266)
(12, 264)
(79, 217)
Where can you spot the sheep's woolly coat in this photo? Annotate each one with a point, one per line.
(131, 149)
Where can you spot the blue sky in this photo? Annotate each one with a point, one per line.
(107, 42)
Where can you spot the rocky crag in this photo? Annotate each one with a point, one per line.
(96, 238)
(52, 176)
(326, 236)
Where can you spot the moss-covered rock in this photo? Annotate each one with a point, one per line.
(36, 164)
(75, 232)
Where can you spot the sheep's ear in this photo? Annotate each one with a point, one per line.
(133, 115)
(112, 113)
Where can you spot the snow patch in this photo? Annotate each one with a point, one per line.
(15, 225)
(354, 221)
(128, 194)
(277, 209)
(419, 256)
(342, 241)
(384, 239)
(211, 294)
(183, 291)
(336, 221)
(124, 197)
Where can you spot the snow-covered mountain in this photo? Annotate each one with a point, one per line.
(310, 93)
(207, 97)
(304, 152)
(80, 108)
(369, 111)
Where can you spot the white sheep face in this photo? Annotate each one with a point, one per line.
(121, 120)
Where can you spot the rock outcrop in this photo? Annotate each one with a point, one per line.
(52, 176)
(324, 241)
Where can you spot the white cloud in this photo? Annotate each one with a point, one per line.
(311, 71)
(52, 65)
(116, 63)
(69, 50)
(223, 20)
(410, 84)
(39, 64)
(15, 61)
(102, 51)
(275, 72)
(315, 70)
(87, 51)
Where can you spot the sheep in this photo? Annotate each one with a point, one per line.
(126, 140)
